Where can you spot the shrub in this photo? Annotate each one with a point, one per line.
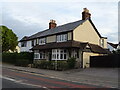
(22, 62)
(21, 59)
(52, 65)
(71, 62)
(62, 65)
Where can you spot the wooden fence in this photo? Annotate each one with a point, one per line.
(112, 60)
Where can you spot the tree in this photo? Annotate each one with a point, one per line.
(9, 39)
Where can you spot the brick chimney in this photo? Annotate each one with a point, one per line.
(52, 24)
(85, 14)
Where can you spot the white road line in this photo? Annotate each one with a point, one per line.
(16, 81)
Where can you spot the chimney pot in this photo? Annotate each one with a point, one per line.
(52, 24)
(85, 14)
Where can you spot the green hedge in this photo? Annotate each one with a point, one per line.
(52, 65)
(56, 65)
(21, 59)
(71, 62)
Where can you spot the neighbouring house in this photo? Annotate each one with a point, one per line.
(79, 39)
(113, 47)
(17, 49)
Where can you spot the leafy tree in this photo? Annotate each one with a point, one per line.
(9, 39)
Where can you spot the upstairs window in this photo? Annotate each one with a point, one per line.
(102, 42)
(41, 41)
(62, 38)
(24, 44)
(34, 42)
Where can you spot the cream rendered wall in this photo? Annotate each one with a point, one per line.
(86, 58)
(69, 35)
(50, 39)
(86, 33)
(105, 43)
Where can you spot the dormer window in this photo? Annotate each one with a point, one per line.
(62, 38)
(41, 41)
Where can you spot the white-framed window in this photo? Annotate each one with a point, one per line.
(59, 54)
(36, 54)
(62, 38)
(42, 55)
(39, 55)
(76, 53)
(24, 44)
(41, 41)
(34, 42)
(102, 42)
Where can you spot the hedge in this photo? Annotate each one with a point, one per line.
(56, 65)
(21, 59)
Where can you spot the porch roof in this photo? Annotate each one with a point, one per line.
(71, 44)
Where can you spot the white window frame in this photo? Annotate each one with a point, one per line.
(24, 44)
(42, 55)
(102, 42)
(42, 41)
(56, 54)
(36, 52)
(61, 38)
(75, 53)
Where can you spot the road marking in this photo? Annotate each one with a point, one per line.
(20, 81)
(55, 77)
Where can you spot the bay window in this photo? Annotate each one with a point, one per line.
(39, 55)
(59, 54)
(36, 54)
(42, 55)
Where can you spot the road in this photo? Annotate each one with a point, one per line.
(21, 79)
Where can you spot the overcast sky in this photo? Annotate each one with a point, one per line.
(27, 18)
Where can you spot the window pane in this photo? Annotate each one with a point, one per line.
(65, 56)
(61, 56)
(57, 56)
(64, 51)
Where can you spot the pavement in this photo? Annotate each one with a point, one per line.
(106, 77)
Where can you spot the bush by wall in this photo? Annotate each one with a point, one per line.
(71, 62)
(52, 65)
(56, 65)
(21, 59)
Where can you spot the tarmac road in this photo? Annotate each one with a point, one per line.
(21, 79)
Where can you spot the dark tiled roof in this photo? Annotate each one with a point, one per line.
(98, 49)
(24, 38)
(58, 29)
(71, 44)
(67, 44)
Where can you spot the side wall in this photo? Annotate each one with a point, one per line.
(86, 33)
(86, 58)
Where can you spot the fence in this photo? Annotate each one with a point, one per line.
(112, 60)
